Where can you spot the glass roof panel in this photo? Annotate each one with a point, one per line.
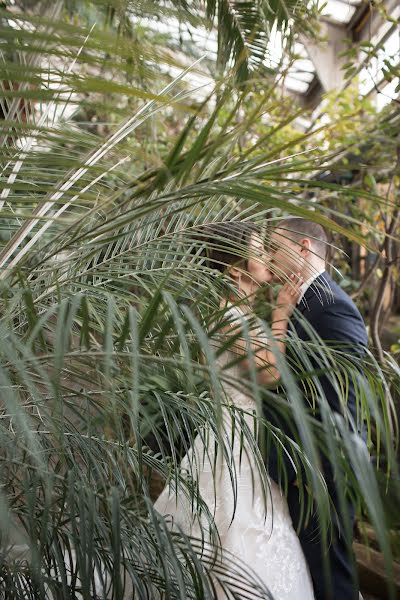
(300, 73)
(367, 80)
(372, 75)
(387, 94)
(340, 10)
(391, 49)
(303, 123)
(296, 85)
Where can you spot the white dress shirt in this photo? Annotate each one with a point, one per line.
(304, 287)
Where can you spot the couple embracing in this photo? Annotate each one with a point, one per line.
(284, 550)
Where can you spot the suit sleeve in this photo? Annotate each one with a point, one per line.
(341, 323)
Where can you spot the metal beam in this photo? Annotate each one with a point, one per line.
(326, 55)
(367, 21)
(313, 95)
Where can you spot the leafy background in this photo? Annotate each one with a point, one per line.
(119, 140)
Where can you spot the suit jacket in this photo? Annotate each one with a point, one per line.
(335, 318)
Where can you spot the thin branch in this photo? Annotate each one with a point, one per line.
(387, 272)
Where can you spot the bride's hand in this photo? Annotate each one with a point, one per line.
(289, 294)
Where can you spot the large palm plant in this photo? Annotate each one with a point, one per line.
(107, 306)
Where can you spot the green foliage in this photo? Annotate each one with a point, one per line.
(110, 319)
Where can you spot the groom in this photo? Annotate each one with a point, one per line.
(299, 246)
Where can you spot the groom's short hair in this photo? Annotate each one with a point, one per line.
(297, 228)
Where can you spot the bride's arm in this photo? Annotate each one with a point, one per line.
(264, 357)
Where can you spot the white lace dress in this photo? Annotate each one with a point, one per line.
(257, 531)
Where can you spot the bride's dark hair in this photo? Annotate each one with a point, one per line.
(227, 243)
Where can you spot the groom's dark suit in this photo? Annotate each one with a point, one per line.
(334, 317)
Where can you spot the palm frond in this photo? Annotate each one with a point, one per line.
(111, 318)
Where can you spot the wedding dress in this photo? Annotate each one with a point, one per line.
(258, 529)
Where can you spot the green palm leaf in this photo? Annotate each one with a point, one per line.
(107, 307)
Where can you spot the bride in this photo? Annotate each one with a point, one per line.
(252, 519)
